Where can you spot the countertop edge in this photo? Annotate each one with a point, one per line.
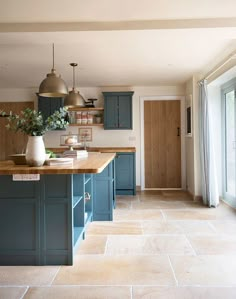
(95, 163)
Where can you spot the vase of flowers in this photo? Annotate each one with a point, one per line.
(35, 151)
(31, 122)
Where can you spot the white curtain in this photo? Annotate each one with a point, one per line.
(210, 192)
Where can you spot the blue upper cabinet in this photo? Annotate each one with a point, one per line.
(118, 110)
(49, 105)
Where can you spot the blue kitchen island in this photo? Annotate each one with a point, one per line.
(44, 210)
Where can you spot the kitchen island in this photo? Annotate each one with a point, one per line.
(44, 210)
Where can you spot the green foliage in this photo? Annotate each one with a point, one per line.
(31, 122)
(51, 153)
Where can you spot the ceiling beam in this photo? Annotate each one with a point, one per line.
(120, 25)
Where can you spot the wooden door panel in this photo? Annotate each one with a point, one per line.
(11, 142)
(162, 145)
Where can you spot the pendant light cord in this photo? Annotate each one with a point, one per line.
(53, 56)
(74, 77)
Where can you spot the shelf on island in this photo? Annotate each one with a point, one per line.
(87, 217)
(76, 200)
(78, 232)
(87, 179)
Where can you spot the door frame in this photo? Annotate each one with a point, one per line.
(226, 88)
(182, 126)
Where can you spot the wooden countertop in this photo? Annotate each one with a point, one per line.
(98, 149)
(95, 163)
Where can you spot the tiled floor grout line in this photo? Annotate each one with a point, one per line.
(105, 250)
(163, 215)
(212, 226)
(190, 244)
(131, 292)
(142, 228)
(27, 288)
(54, 276)
(172, 269)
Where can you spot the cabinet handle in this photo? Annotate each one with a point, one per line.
(178, 131)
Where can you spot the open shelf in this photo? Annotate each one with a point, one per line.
(87, 125)
(87, 179)
(87, 217)
(76, 200)
(78, 231)
(86, 109)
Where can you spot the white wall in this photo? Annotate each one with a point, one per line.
(102, 137)
(189, 143)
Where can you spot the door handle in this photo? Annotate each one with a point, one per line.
(178, 131)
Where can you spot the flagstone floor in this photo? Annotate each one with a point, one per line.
(161, 245)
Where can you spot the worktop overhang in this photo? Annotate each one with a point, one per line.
(98, 149)
(94, 163)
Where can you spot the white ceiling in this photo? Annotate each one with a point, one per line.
(124, 43)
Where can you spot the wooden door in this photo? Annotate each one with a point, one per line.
(11, 142)
(162, 144)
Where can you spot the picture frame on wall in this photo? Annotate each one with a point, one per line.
(189, 116)
(85, 134)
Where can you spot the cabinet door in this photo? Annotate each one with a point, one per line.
(125, 112)
(56, 220)
(103, 195)
(49, 105)
(19, 222)
(111, 112)
(125, 173)
(118, 110)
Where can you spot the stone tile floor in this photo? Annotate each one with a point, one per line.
(161, 244)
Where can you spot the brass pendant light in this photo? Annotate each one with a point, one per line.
(53, 86)
(74, 98)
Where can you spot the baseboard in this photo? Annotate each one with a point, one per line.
(197, 198)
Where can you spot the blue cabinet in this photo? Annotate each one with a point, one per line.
(49, 105)
(125, 174)
(104, 194)
(19, 222)
(118, 110)
(42, 222)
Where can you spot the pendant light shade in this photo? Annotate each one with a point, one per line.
(74, 98)
(53, 86)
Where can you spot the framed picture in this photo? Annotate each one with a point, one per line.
(189, 116)
(85, 134)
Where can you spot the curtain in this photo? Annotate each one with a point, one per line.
(210, 192)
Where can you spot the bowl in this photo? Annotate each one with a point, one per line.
(18, 159)
(47, 156)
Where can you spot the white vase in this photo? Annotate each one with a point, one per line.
(35, 151)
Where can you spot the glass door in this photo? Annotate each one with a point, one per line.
(229, 144)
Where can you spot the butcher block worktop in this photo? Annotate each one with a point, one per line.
(94, 163)
(98, 149)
